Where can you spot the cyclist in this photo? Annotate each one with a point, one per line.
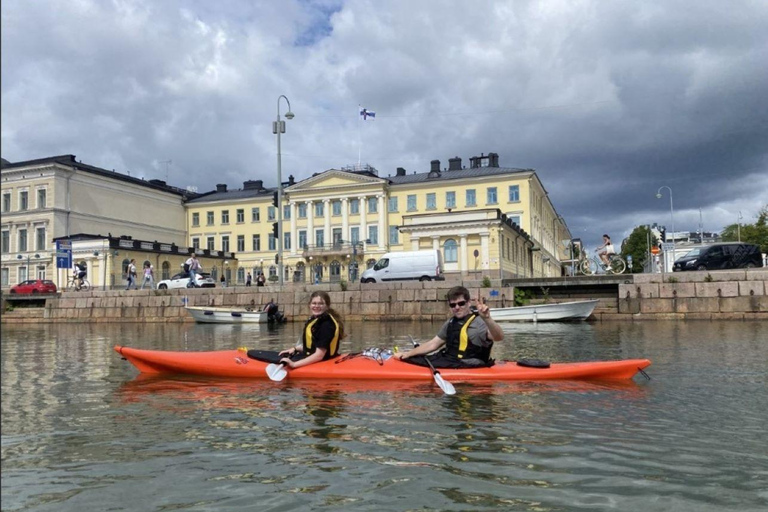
(605, 250)
(81, 271)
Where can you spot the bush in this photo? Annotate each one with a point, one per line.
(521, 297)
(272, 279)
(486, 282)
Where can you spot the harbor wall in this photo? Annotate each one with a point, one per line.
(726, 295)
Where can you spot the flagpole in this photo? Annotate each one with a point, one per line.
(359, 139)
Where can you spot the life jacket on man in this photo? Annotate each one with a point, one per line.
(458, 344)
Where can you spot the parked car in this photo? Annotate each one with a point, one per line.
(721, 256)
(181, 280)
(34, 286)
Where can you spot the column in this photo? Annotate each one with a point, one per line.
(363, 223)
(310, 224)
(383, 230)
(484, 253)
(436, 242)
(328, 236)
(463, 255)
(345, 220)
(294, 231)
(414, 242)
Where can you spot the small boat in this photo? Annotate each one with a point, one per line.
(237, 364)
(562, 311)
(219, 315)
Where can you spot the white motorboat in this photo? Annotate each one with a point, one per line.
(219, 315)
(562, 311)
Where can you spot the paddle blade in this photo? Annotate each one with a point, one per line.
(446, 386)
(276, 372)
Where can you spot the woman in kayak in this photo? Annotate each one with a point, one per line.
(466, 338)
(320, 337)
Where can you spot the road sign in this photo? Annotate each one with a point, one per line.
(667, 246)
(63, 254)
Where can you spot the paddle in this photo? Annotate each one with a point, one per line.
(276, 371)
(446, 386)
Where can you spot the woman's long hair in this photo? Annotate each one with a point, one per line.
(335, 314)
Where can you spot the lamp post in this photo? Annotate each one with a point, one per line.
(29, 257)
(738, 227)
(278, 127)
(671, 219)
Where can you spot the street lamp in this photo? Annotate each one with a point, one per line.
(21, 258)
(278, 127)
(671, 219)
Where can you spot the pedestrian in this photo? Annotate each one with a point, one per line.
(131, 275)
(223, 281)
(192, 266)
(466, 339)
(248, 279)
(149, 275)
(260, 279)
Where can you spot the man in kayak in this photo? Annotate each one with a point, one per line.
(466, 339)
(320, 337)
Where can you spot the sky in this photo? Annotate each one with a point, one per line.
(607, 101)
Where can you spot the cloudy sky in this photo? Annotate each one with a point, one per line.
(608, 101)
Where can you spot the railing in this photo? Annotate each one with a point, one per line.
(334, 249)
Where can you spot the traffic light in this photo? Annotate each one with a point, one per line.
(275, 225)
(274, 199)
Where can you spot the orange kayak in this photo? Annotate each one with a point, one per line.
(236, 364)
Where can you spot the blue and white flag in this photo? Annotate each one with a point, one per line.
(365, 113)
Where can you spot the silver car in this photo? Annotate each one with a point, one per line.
(181, 280)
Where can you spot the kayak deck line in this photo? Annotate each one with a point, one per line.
(236, 364)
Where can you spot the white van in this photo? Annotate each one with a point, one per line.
(398, 266)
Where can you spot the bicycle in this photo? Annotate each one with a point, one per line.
(616, 265)
(75, 285)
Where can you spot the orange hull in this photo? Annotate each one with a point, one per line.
(236, 364)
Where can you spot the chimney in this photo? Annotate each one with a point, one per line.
(494, 159)
(400, 171)
(221, 187)
(435, 166)
(474, 162)
(454, 164)
(158, 182)
(253, 185)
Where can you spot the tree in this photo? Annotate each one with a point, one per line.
(637, 247)
(756, 233)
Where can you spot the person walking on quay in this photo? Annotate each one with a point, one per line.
(248, 279)
(466, 339)
(149, 276)
(260, 279)
(192, 266)
(131, 275)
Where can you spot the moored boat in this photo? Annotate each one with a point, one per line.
(219, 315)
(562, 311)
(237, 364)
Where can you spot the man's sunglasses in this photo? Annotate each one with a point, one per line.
(460, 304)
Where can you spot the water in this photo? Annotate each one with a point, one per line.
(81, 432)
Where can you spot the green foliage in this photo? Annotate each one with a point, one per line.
(521, 297)
(672, 280)
(545, 294)
(637, 247)
(756, 233)
(709, 278)
(486, 282)
(343, 285)
(272, 279)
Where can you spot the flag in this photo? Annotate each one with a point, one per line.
(365, 113)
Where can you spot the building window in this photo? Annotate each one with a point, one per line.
(41, 197)
(319, 238)
(256, 243)
(355, 234)
(302, 210)
(225, 243)
(514, 193)
(492, 198)
(240, 215)
(196, 243)
(209, 218)
(471, 199)
(225, 216)
(514, 218)
(209, 243)
(373, 234)
(271, 213)
(319, 209)
(271, 242)
(450, 199)
(451, 251)
(287, 212)
(240, 243)
(394, 235)
(287, 241)
(431, 201)
(392, 205)
(336, 207)
(6, 280)
(6, 242)
(24, 200)
(354, 206)
(255, 215)
(40, 239)
(195, 219)
(373, 205)
(302, 239)
(22, 240)
(166, 270)
(412, 203)
(7, 202)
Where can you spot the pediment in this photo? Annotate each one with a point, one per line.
(334, 179)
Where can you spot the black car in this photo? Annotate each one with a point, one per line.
(721, 256)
